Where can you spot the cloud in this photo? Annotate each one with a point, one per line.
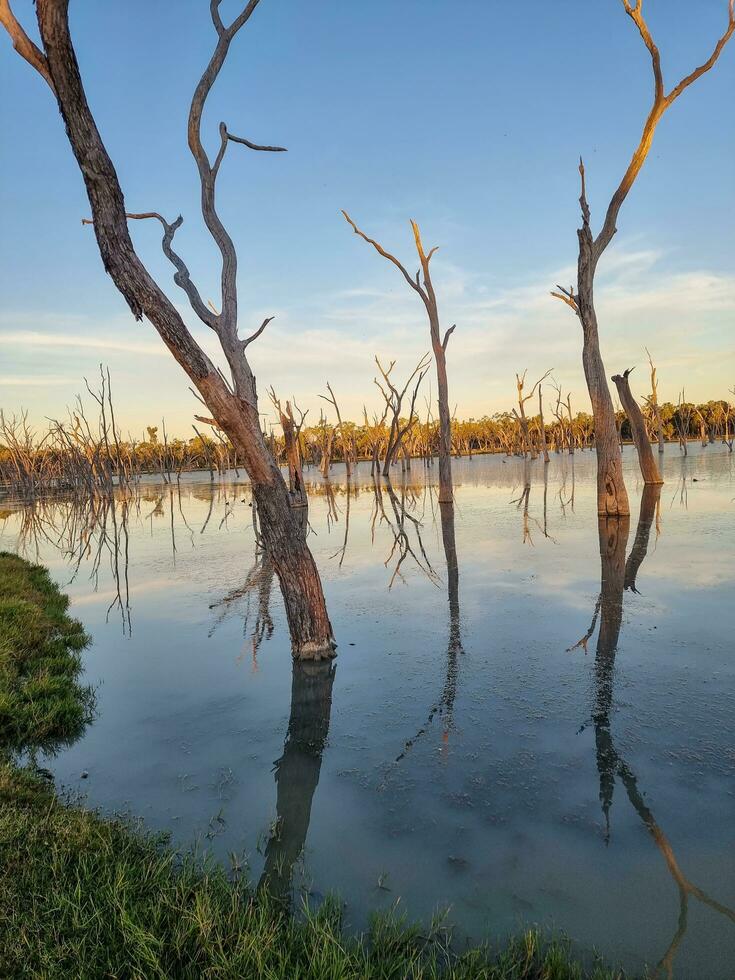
(48, 341)
(33, 380)
(681, 315)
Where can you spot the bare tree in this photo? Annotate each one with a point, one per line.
(653, 404)
(683, 419)
(522, 420)
(612, 498)
(291, 431)
(393, 403)
(438, 344)
(233, 403)
(542, 425)
(649, 469)
(345, 446)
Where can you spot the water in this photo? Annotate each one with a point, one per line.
(460, 757)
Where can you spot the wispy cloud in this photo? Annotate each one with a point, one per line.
(681, 315)
(49, 341)
(33, 380)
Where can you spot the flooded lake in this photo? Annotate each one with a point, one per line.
(538, 733)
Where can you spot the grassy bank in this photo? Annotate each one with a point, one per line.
(84, 896)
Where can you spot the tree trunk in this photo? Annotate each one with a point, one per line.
(649, 469)
(612, 497)
(544, 445)
(293, 458)
(311, 631)
(446, 493)
(659, 429)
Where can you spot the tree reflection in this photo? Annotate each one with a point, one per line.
(444, 705)
(297, 772)
(618, 575)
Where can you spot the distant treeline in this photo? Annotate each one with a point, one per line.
(76, 455)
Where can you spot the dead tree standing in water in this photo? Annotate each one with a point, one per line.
(544, 444)
(233, 402)
(522, 420)
(612, 498)
(393, 402)
(291, 432)
(649, 469)
(345, 445)
(438, 344)
(654, 405)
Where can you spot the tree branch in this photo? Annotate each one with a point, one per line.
(182, 277)
(386, 255)
(258, 332)
(661, 103)
(23, 44)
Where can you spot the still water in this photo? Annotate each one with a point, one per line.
(539, 731)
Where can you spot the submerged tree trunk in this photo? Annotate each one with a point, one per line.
(234, 408)
(649, 469)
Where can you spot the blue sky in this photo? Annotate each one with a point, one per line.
(466, 115)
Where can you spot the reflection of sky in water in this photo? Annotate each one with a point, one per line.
(494, 807)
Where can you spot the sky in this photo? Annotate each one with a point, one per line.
(467, 115)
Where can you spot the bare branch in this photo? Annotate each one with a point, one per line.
(23, 44)
(447, 335)
(252, 146)
(386, 255)
(258, 332)
(182, 278)
(661, 103)
(216, 19)
(566, 296)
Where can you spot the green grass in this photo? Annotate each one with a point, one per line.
(84, 896)
(42, 704)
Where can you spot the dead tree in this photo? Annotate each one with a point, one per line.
(649, 469)
(438, 344)
(326, 445)
(291, 432)
(528, 446)
(393, 402)
(233, 403)
(653, 404)
(544, 445)
(683, 419)
(343, 442)
(612, 498)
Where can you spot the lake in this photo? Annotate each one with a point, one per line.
(541, 733)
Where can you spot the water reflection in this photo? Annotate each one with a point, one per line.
(297, 772)
(617, 576)
(474, 816)
(403, 526)
(444, 706)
